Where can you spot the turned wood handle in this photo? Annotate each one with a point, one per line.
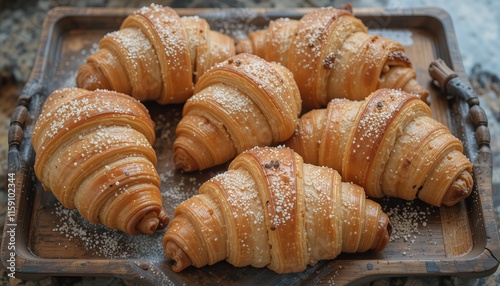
(16, 125)
(16, 131)
(450, 83)
(441, 73)
(17, 121)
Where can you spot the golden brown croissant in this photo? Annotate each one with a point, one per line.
(93, 152)
(156, 55)
(331, 55)
(389, 145)
(270, 209)
(240, 103)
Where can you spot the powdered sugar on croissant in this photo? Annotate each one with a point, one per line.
(240, 103)
(331, 55)
(155, 55)
(94, 153)
(272, 210)
(390, 145)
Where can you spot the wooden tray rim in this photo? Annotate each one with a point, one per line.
(21, 157)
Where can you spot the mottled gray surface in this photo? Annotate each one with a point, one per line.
(477, 27)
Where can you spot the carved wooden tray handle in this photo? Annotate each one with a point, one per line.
(451, 84)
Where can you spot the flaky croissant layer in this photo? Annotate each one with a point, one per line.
(155, 55)
(272, 210)
(331, 55)
(388, 144)
(94, 153)
(240, 103)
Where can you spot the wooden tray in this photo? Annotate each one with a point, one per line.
(460, 240)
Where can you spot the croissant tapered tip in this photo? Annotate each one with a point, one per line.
(152, 221)
(183, 160)
(414, 87)
(148, 224)
(384, 234)
(243, 46)
(164, 219)
(174, 252)
(90, 77)
(459, 190)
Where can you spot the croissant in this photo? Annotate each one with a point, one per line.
(93, 152)
(389, 145)
(271, 209)
(240, 103)
(331, 55)
(155, 55)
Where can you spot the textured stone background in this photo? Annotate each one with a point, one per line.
(476, 24)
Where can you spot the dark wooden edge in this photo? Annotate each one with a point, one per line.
(474, 134)
(478, 263)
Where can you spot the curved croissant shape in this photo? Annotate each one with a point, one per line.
(331, 55)
(270, 209)
(93, 152)
(239, 104)
(389, 145)
(156, 55)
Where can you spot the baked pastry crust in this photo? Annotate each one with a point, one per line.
(331, 55)
(272, 210)
(388, 144)
(94, 153)
(155, 55)
(239, 104)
